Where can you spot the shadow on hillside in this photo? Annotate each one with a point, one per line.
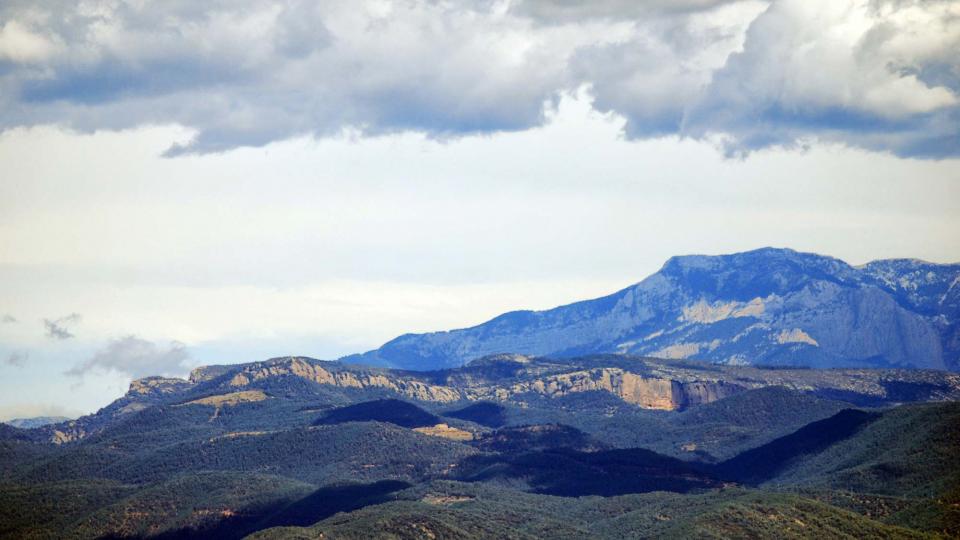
(315, 507)
(570, 473)
(559, 468)
(762, 463)
(393, 411)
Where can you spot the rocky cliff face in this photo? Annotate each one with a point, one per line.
(765, 307)
(506, 378)
(358, 379)
(152, 386)
(648, 392)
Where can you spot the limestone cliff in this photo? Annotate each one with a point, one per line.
(152, 386)
(646, 392)
(358, 379)
(644, 382)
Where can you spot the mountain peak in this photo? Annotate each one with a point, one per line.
(705, 260)
(744, 259)
(765, 306)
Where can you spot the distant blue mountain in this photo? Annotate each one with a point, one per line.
(35, 422)
(763, 307)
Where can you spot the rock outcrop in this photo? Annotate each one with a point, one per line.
(446, 432)
(152, 386)
(230, 399)
(359, 379)
(646, 392)
(646, 383)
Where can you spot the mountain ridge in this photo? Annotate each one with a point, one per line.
(668, 446)
(292, 441)
(770, 306)
(643, 383)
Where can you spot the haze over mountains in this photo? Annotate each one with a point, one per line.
(770, 306)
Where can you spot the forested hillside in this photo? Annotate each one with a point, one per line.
(510, 445)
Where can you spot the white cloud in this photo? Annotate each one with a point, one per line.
(654, 76)
(19, 44)
(137, 358)
(555, 11)
(842, 70)
(880, 75)
(251, 73)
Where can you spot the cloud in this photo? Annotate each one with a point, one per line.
(249, 73)
(59, 328)
(565, 11)
(33, 410)
(7, 319)
(876, 74)
(20, 45)
(654, 77)
(879, 75)
(17, 359)
(136, 358)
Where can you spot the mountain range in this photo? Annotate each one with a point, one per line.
(696, 403)
(624, 382)
(606, 446)
(775, 307)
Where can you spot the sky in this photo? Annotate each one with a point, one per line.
(186, 183)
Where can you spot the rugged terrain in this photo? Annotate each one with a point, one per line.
(598, 446)
(514, 380)
(769, 393)
(764, 307)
